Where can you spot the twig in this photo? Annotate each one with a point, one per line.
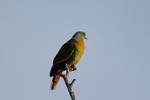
(69, 85)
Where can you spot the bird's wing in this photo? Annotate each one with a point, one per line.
(64, 53)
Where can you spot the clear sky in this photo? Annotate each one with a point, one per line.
(116, 62)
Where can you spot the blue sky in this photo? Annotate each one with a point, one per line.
(115, 65)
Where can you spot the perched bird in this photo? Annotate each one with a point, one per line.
(70, 54)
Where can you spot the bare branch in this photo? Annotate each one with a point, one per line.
(69, 85)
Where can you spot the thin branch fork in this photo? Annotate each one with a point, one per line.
(69, 85)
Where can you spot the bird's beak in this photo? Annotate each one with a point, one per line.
(86, 38)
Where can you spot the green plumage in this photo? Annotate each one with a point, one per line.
(70, 53)
(65, 53)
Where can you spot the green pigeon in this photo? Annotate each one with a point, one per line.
(70, 53)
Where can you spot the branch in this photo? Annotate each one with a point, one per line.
(69, 85)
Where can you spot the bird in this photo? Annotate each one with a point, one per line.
(70, 53)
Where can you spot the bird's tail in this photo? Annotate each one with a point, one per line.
(55, 79)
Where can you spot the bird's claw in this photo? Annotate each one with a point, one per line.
(73, 69)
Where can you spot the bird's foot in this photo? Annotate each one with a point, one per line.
(73, 68)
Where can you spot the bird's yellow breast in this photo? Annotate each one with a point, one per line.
(79, 45)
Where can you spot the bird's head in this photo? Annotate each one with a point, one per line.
(79, 35)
